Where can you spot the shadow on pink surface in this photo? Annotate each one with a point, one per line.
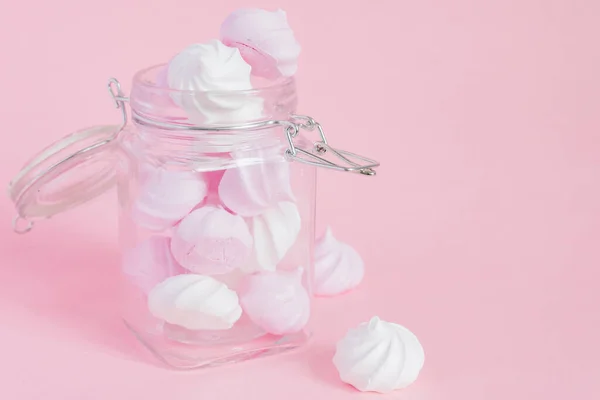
(319, 361)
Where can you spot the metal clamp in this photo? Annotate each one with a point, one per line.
(322, 147)
(114, 88)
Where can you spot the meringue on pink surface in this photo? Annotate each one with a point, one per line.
(264, 39)
(338, 267)
(276, 301)
(211, 241)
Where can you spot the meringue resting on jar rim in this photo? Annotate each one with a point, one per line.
(264, 39)
(195, 302)
(338, 267)
(276, 301)
(206, 77)
(379, 356)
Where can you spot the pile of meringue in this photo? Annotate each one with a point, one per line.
(208, 226)
(218, 238)
(254, 44)
(243, 219)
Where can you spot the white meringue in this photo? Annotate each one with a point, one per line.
(276, 301)
(150, 262)
(274, 232)
(209, 74)
(264, 39)
(338, 267)
(195, 302)
(379, 356)
(210, 240)
(166, 196)
(249, 190)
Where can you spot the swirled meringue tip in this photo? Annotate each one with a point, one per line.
(338, 267)
(379, 356)
(209, 66)
(205, 73)
(374, 323)
(265, 41)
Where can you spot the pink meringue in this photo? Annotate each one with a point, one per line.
(166, 196)
(338, 267)
(265, 41)
(250, 190)
(276, 301)
(211, 241)
(150, 262)
(274, 231)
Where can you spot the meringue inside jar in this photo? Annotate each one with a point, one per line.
(207, 191)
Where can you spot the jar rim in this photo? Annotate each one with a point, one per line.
(140, 79)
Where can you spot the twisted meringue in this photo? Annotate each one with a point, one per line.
(274, 231)
(208, 75)
(150, 262)
(250, 190)
(276, 301)
(265, 41)
(195, 302)
(166, 196)
(211, 241)
(338, 267)
(379, 356)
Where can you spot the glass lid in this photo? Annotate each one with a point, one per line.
(70, 172)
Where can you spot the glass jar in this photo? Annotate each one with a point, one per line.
(217, 213)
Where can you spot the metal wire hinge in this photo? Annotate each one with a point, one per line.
(114, 88)
(351, 162)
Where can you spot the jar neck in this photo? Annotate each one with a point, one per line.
(206, 149)
(187, 125)
(154, 103)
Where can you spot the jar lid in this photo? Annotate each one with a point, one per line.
(68, 173)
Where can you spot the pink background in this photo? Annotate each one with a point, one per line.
(481, 232)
